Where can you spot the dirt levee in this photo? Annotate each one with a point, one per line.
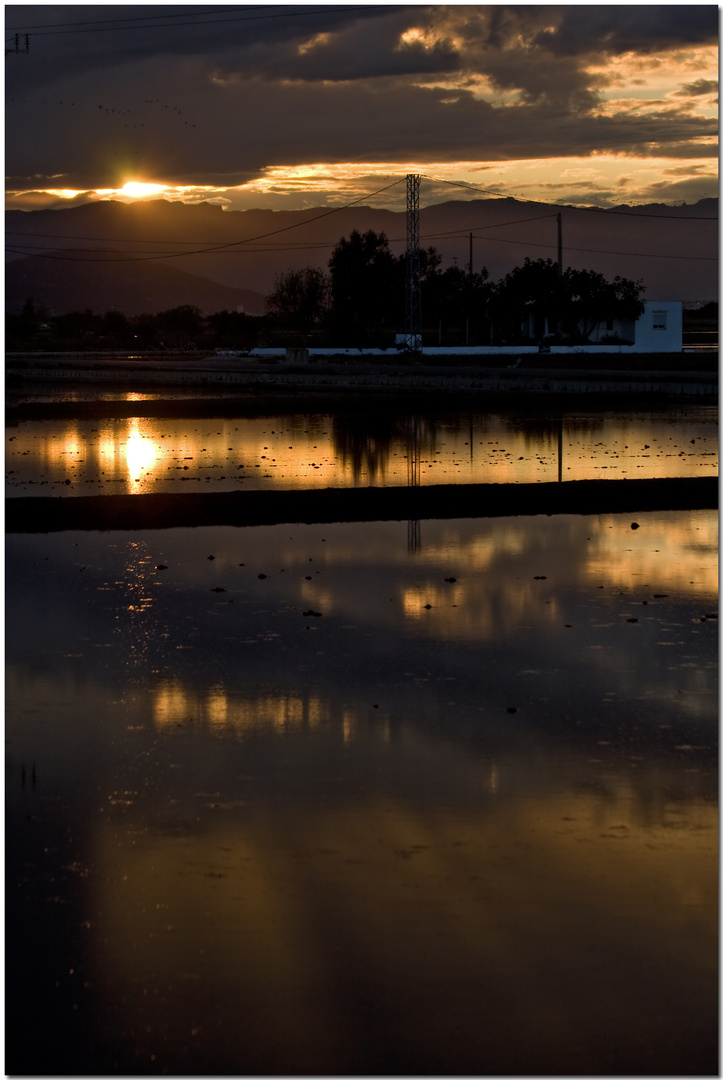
(105, 512)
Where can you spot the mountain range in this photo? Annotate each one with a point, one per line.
(151, 256)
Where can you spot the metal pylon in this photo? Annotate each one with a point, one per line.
(413, 335)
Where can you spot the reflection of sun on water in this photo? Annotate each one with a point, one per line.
(140, 452)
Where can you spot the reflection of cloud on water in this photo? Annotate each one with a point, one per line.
(246, 923)
(677, 552)
(175, 704)
(369, 446)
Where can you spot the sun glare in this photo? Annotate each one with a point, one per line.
(137, 190)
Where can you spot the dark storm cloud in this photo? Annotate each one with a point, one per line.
(238, 140)
(618, 29)
(216, 94)
(73, 39)
(362, 50)
(700, 88)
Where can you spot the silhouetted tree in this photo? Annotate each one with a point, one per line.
(115, 329)
(528, 302)
(456, 299)
(534, 301)
(367, 288)
(300, 299)
(181, 325)
(591, 299)
(22, 328)
(233, 329)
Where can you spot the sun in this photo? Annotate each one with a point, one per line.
(135, 189)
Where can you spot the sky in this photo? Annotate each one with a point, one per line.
(286, 107)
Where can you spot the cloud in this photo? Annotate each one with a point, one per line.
(215, 97)
(700, 88)
(614, 29)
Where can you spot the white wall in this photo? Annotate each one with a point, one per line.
(660, 327)
(650, 336)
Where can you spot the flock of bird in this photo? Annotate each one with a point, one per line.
(107, 110)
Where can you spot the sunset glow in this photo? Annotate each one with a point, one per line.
(137, 190)
(571, 105)
(597, 179)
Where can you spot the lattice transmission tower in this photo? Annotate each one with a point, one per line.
(413, 335)
(16, 46)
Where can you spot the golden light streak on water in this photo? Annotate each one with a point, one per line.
(171, 703)
(247, 903)
(154, 455)
(140, 453)
(174, 705)
(680, 555)
(216, 708)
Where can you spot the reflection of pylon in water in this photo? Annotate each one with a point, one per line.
(414, 537)
(414, 440)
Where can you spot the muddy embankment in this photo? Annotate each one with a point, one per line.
(105, 512)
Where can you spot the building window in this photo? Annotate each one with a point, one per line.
(660, 320)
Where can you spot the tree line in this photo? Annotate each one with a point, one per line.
(180, 329)
(359, 301)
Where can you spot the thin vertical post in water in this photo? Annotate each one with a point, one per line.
(414, 536)
(413, 336)
(414, 530)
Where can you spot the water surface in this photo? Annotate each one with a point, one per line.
(397, 798)
(145, 454)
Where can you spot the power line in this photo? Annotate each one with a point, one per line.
(233, 243)
(134, 18)
(604, 251)
(278, 249)
(95, 29)
(590, 209)
(146, 240)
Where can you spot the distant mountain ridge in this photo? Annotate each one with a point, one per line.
(123, 256)
(68, 284)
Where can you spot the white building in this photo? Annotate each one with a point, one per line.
(659, 329)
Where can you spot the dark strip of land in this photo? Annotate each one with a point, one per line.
(165, 511)
(276, 401)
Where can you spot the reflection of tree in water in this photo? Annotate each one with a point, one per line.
(541, 431)
(365, 442)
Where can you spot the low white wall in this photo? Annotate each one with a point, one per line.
(511, 351)
(648, 339)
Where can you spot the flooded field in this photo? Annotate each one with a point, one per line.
(146, 454)
(425, 797)
(364, 799)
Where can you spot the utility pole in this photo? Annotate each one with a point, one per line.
(471, 264)
(16, 47)
(559, 243)
(413, 336)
